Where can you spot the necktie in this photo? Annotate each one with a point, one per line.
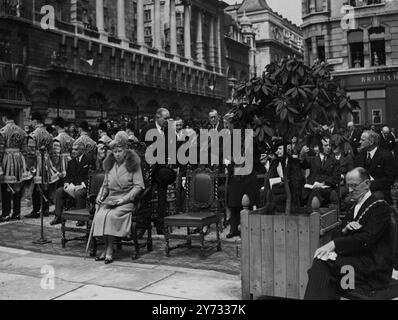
(368, 160)
(323, 161)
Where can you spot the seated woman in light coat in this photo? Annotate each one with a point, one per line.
(123, 182)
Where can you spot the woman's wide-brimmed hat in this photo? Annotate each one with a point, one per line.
(121, 141)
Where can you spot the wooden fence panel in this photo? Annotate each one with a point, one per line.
(255, 254)
(267, 255)
(292, 258)
(280, 256)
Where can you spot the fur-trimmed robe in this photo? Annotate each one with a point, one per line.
(121, 182)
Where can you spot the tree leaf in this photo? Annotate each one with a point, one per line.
(283, 114)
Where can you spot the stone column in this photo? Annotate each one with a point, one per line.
(157, 35)
(140, 23)
(173, 28)
(73, 12)
(187, 32)
(99, 10)
(219, 44)
(212, 47)
(121, 20)
(199, 38)
(314, 50)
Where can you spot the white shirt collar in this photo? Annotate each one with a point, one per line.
(159, 127)
(360, 203)
(372, 153)
(80, 158)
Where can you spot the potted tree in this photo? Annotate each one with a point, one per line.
(289, 100)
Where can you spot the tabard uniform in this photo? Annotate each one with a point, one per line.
(63, 144)
(13, 150)
(13, 168)
(36, 140)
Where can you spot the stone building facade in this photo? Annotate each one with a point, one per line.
(360, 39)
(100, 59)
(275, 36)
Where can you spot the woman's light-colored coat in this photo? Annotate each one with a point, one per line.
(124, 182)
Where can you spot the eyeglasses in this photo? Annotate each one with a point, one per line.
(356, 185)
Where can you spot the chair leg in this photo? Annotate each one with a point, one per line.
(189, 240)
(202, 242)
(149, 243)
(167, 238)
(63, 239)
(218, 229)
(136, 244)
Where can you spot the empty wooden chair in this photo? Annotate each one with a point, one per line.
(201, 210)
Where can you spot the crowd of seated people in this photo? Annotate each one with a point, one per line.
(315, 168)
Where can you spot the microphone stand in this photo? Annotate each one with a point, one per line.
(42, 240)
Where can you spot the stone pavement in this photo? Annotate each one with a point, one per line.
(27, 275)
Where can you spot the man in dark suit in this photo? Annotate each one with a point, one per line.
(162, 174)
(77, 176)
(379, 163)
(354, 136)
(387, 140)
(324, 176)
(214, 121)
(365, 244)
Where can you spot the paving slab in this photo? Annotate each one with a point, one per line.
(22, 287)
(197, 287)
(127, 278)
(93, 292)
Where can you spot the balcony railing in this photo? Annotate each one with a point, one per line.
(104, 69)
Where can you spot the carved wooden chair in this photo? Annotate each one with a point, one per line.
(141, 216)
(85, 215)
(201, 210)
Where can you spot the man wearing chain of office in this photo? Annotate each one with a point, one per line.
(364, 245)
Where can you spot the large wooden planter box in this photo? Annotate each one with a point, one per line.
(278, 250)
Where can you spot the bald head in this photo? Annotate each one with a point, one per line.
(386, 130)
(359, 174)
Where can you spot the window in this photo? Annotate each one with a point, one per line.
(356, 117)
(377, 116)
(319, 5)
(12, 92)
(308, 44)
(148, 31)
(320, 43)
(23, 45)
(361, 3)
(376, 94)
(147, 14)
(377, 46)
(5, 49)
(355, 41)
(356, 95)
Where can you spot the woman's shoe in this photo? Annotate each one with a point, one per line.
(108, 260)
(100, 258)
